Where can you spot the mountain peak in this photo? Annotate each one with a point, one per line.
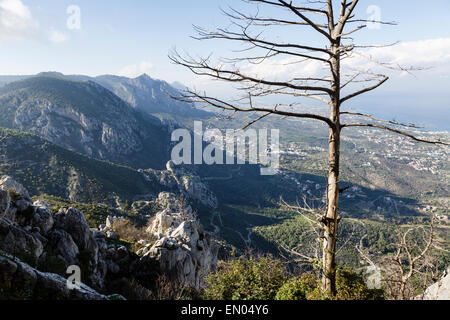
(50, 74)
(144, 76)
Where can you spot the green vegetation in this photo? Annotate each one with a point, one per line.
(266, 278)
(246, 279)
(300, 288)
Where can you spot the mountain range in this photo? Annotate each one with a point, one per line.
(84, 116)
(107, 139)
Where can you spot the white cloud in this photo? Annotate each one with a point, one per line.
(283, 69)
(432, 53)
(429, 52)
(16, 21)
(136, 70)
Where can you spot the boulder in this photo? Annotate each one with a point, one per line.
(63, 245)
(18, 276)
(111, 235)
(9, 184)
(4, 202)
(74, 223)
(178, 264)
(24, 212)
(43, 219)
(7, 270)
(438, 291)
(110, 220)
(41, 204)
(16, 241)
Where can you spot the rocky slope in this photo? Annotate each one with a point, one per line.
(151, 96)
(84, 116)
(38, 245)
(49, 169)
(184, 181)
(143, 93)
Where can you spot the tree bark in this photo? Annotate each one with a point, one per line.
(331, 220)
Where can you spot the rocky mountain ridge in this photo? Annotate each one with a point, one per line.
(85, 117)
(152, 96)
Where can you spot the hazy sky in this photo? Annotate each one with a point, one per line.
(133, 37)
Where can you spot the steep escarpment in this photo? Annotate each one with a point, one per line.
(151, 96)
(85, 117)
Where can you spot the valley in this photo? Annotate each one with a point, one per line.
(113, 152)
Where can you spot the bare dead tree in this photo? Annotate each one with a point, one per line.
(334, 23)
(305, 253)
(414, 265)
(408, 259)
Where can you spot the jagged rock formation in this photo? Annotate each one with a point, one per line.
(182, 249)
(29, 283)
(438, 291)
(8, 183)
(183, 181)
(46, 240)
(40, 245)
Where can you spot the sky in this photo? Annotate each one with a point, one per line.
(133, 37)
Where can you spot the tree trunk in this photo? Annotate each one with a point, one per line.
(331, 220)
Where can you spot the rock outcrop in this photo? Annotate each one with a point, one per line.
(48, 242)
(19, 280)
(183, 250)
(438, 291)
(40, 245)
(182, 180)
(9, 184)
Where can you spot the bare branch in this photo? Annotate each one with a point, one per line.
(365, 90)
(380, 120)
(403, 133)
(202, 67)
(191, 96)
(297, 11)
(244, 36)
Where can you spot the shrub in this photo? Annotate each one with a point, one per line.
(14, 196)
(298, 288)
(247, 278)
(351, 286)
(131, 234)
(127, 231)
(264, 278)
